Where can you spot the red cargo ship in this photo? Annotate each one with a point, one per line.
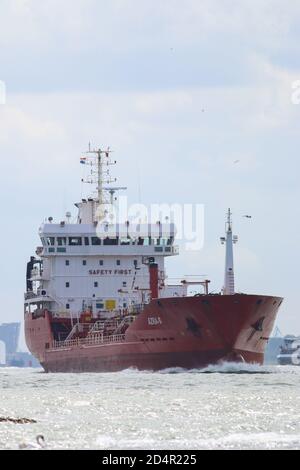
(97, 299)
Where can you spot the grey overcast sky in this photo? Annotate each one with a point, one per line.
(180, 91)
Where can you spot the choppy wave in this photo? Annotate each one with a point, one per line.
(224, 368)
(237, 368)
(228, 406)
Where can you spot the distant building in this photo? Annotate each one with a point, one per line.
(22, 359)
(9, 340)
(9, 334)
(2, 353)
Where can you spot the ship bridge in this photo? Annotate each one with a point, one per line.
(98, 238)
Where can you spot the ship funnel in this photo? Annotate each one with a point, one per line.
(153, 271)
(229, 240)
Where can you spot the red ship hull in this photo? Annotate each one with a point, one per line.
(188, 332)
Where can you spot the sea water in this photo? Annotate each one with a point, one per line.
(233, 406)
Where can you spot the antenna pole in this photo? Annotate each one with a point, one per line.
(229, 240)
(229, 220)
(100, 179)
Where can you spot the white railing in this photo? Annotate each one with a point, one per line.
(29, 295)
(97, 327)
(126, 321)
(96, 339)
(136, 308)
(78, 328)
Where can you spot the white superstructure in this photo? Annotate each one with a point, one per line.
(97, 265)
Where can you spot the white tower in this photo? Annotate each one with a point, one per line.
(229, 240)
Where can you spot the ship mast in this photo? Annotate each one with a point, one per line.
(102, 176)
(229, 240)
(100, 194)
(100, 160)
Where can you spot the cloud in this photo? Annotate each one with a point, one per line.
(17, 122)
(214, 126)
(82, 23)
(180, 91)
(137, 45)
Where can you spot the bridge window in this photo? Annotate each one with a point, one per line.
(61, 241)
(75, 241)
(110, 241)
(96, 241)
(125, 241)
(86, 241)
(50, 241)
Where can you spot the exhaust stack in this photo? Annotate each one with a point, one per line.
(153, 271)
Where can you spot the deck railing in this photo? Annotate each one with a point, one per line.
(96, 339)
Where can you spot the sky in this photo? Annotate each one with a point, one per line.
(180, 91)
